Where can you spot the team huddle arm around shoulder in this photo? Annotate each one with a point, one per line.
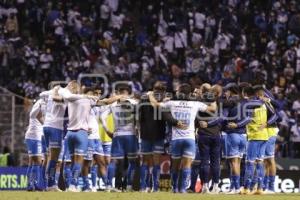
(209, 108)
(109, 100)
(45, 94)
(272, 119)
(215, 121)
(68, 96)
(167, 116)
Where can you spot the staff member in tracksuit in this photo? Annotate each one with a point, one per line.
(209, 142)
(152, 133)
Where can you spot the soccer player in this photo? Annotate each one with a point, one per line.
(53, 131)
(79, 107)
(124, 142)
(95, 150)
(236, 120)
(108, 166)
(33, 139)
(257, 139)
(152, 133)
(272, 128)
(183, 141)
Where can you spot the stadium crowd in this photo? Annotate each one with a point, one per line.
(215, 41)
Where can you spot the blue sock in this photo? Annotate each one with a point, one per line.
(186, 175)
(194, 176)
(236, 182)
(253, 182)
(44, 180)
(104, 179)
(271, 183)
(86, 182)
(144, 170)
(57, 175)
(94, 175)
(68, 175)
(130, 173)
(30, 186)
(260, 174)
(76, 169)
(156, 177)
(249, 173)
(35, 175)
(175, 181)
(266, 182)
(231, 182)
(111, 171)
(51, 169)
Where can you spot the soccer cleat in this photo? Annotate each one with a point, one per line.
(183, 191)
(269, 192)
(94, 189)
(175, 190)
(215, 190)
(190, 191)
(73, 188)
(87, 190)
(259, 192)
(245, 191)
(233, 191)
(30, 188)
(111, 189)
(205, 190)
(128, 189)
(54, 188)
(237, 191)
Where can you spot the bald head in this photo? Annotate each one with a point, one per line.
(217, 90)
(74, 87)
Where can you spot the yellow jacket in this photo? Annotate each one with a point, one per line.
(253, 128)
(110, 125)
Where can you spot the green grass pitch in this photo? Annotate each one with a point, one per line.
(15, 195)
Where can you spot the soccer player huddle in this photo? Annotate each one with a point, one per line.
(75, 131)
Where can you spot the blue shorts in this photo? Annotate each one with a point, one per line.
(150, 147)
(183, 148)
(106, 149)
(64, 152)
(77, 142)
(256, 150)
(53, 137)
(34, 147)
(270, 147)
(197, 159)
(126, 145)
(235, 145)
(94, 148)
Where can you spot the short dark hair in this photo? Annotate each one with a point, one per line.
(159, 86)
(124, 87)
(249, 91)
(184, 91)
(88, 89)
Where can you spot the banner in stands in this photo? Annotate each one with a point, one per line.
(13, 178)
(287, 181)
